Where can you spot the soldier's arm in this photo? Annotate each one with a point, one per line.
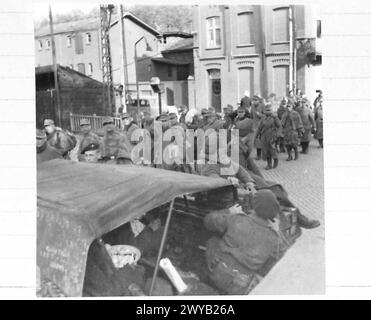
(216, 221)
(244, 176)
(277, 123)
(311, 119)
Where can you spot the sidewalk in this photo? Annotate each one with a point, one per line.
(302, 269)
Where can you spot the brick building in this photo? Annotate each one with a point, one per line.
(239, 48)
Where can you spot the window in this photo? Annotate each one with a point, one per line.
(245, 28)
(280, 80)
(79, 45)
(213, 32)
(47, 43)
(81, 68)
(169, 71)
(319, 29)
(245, 81)
(281, 25)
(69, 41)
(40, 44)
(90, 69)
(88, 38)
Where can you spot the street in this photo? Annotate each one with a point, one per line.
(303, 180)
(302, 269)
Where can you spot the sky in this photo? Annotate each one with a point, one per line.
(41, 8)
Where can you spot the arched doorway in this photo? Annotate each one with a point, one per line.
(215, 89)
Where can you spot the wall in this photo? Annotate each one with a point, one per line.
(133, 32)
(67, 56)
(184, 56)
(176, 93)
(267, 58)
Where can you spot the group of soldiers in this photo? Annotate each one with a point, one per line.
(247, 241)
(259, 127)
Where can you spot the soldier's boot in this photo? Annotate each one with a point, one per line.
(275, 163)
(306, 223)
(282, 148)
(258, 154)
(288, 148)
(302, 144)
(269, 163)
(306, 147)
(296, 153)
(320, 143)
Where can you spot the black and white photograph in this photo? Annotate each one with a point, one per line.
(179, 150)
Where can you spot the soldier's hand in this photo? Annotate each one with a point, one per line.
(275, 224)
(250, 186)
(236, 209)
(234, 181)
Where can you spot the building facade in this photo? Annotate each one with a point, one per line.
(77, 47)
(239, 48)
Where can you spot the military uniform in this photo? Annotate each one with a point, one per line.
(116, 147)
(45, 152)
(85, 139)
(62, 140)
(280, 141)
(245, 102)
(267, 132)
(256, 114)
(308, 125)
(246, 134)
(292, 128)
(211, 122)
(318, 117)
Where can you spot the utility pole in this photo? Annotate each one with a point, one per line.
(105, 23)
(124, 74)
(136, 76)
(57, 100)
(291, 62)
(294, 55)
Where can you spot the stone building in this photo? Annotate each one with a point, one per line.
(245, 47)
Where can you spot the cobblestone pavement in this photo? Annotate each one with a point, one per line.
(304, 181)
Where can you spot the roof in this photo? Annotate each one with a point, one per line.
(90, 24)
(179, 34)
(68, 76)
(70, 26)
(138, 21)
(181, 45)
(79, 202)
(169, 61)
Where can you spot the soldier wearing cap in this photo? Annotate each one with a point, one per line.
(129, 126)
(86, 137)
(318, 117)
(257, 112)
(62, 140)
(245, 127)
(246, 101)
(308, 124)
(210, 121)
(116, 147)
(267, 132)
(280, 112)
(92, 153)
(44, 151)
(292, 129)
(148, 122)
(182, 111)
